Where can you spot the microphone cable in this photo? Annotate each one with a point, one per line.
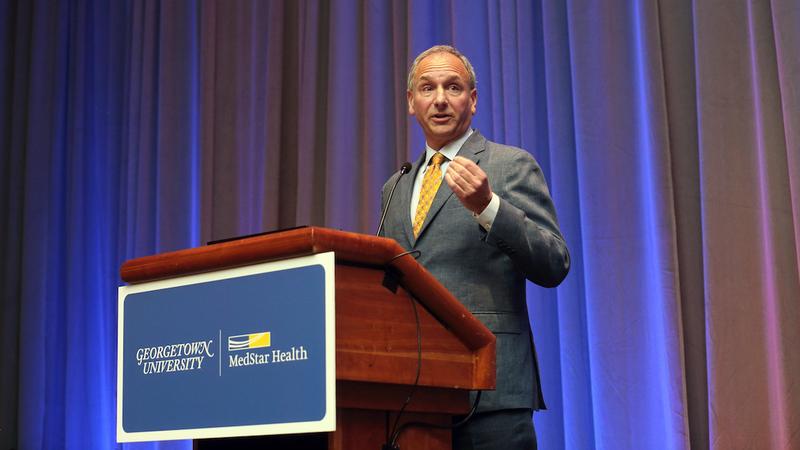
(392, 445)
(396, 431)
(415, 253)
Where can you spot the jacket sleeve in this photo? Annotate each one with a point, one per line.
(526, 228)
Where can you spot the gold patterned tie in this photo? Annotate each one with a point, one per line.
(430, 184)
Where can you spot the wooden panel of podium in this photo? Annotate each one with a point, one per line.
(376, 337)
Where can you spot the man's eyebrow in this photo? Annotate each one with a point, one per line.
(446, 80)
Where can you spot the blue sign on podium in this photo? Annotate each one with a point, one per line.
(237, 352)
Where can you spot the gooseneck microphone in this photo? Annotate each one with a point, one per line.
(404, 169)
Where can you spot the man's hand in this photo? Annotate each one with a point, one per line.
(470, 184)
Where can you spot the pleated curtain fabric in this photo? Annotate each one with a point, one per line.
(668, 132)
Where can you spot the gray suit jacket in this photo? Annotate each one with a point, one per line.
(487, 271)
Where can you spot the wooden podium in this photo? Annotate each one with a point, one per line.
(376, 337)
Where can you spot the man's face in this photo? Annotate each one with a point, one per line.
(441, 98)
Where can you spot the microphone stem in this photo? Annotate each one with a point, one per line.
(403, 170)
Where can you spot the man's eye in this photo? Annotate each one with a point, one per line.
(454, 88)
(426, 88)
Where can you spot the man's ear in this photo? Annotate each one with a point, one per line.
(474, 96)
(410, 98)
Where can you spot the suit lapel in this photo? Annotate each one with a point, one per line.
(406, 190)
(470, 150)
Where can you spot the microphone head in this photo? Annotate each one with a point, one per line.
(405, 168)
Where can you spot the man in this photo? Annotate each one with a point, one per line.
(482, 232)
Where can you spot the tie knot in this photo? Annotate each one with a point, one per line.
(437, 159)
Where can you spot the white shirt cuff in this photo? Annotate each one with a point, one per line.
(487, 216)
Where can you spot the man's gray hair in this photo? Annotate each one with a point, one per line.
(442, 49)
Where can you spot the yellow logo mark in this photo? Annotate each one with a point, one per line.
(248, 341)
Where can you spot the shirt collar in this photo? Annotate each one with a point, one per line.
(450, 150)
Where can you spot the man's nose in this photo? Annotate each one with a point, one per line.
(440, 99)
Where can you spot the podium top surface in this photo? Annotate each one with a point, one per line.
(349, 248)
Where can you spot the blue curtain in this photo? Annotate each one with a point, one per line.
(668, 134)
